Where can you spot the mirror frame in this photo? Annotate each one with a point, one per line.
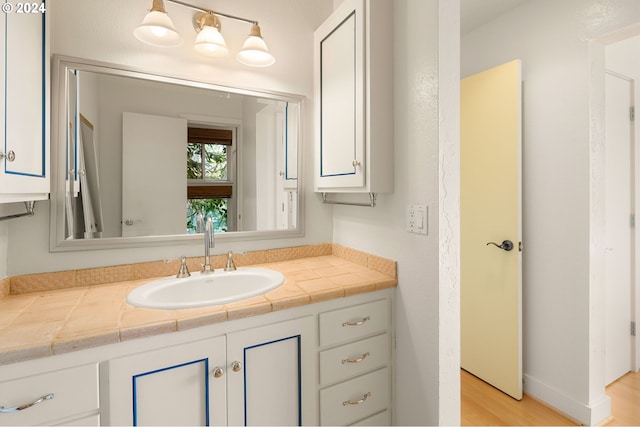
(59, 99)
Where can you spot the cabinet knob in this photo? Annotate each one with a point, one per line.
(10, 156)
(218, 372)
(236, 366)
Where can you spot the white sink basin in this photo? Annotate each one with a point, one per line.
(201, 290)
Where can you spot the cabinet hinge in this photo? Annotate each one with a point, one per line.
(632, 113)
(633, 329)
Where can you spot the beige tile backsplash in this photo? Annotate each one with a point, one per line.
(41, 282)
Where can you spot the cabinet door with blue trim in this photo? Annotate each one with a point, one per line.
(181, 385)
(24, 124)
(271, 377)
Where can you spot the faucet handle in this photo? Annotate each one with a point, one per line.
(231, 266)
(184, 270)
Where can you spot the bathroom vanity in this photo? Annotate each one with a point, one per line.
(326, 360)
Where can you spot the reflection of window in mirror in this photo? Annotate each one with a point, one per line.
(211, 177)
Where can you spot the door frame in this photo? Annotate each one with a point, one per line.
(597, 49)
(632, 286)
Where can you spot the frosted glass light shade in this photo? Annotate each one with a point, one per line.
(157, 30)
(210, 42)
(254, 51)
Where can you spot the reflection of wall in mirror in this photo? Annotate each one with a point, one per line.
(107, 97)
(266, 197)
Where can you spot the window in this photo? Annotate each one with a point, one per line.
(211, 177)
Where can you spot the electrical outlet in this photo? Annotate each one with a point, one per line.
(418, 219)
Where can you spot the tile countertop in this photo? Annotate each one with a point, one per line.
(54, 313)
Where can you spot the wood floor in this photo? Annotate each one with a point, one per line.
(625, 401)
(484, 405)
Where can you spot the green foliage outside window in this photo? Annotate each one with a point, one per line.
(214, 168)
(215, 208)
(215, 165)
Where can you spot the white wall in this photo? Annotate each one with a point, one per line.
(563, 290)
(426, 125)
(287, 26)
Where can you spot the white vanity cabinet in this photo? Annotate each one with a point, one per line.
(354, 99)
(60, 397)
(24, 149)
(170, 386)
(327, 363)
(355, 364)
(271, 374)
(257, 376)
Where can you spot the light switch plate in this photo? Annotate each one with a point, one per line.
(418, 219)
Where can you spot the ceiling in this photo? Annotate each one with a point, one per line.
(475, 13)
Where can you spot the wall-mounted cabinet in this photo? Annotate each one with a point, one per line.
(353, 53)
(24, 128)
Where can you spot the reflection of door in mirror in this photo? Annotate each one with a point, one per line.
(71, 183)
(154, 180)
(83, 207)
(89, 180)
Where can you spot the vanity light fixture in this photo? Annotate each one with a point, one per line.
(254, 51)
(158, 30)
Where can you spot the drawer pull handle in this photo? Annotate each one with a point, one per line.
(357, 323)
(357, 359)
(4, 410)
(357, 402)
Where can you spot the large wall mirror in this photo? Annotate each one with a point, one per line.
(139, 158)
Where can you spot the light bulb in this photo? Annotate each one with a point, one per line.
(157, 30)
(254, 50)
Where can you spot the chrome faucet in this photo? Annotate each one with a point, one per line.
(231, 266)
(209, 243)
(184, 270)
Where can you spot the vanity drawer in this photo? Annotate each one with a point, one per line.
(356, 399)
(352, 359)
(381, 419)
(74, 391)
(352, 323)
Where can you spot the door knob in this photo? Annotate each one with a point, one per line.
(10, 156)
(507, 245)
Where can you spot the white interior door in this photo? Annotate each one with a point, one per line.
(154, 175)
(619, 244)
(491, 207)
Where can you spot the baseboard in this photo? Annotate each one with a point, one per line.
(584, 414)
